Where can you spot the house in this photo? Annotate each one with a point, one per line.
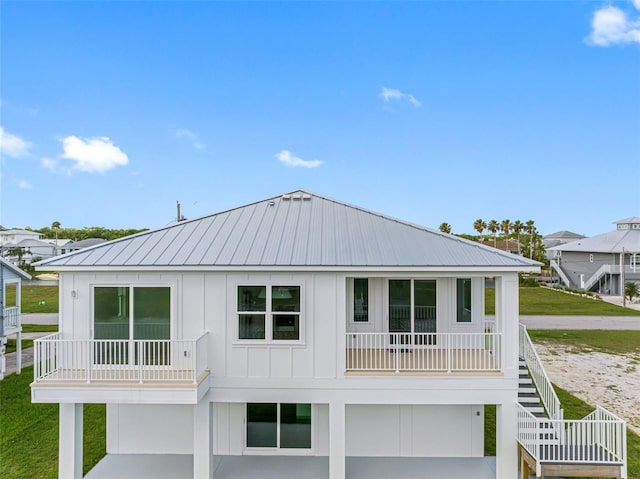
(14, 236)
(303, 334)
(10, 318)
(509, 245)
(601, 263)
(560, 237)
(78, 245)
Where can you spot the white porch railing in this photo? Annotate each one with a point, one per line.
(93, 360)
(11, 319)
(599, 438)
(445, 352)
(541, 381)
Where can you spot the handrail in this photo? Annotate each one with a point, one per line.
(599, 438)
(141, 360)
(446, 352)
(11, 316)
(555, 265)
(540, 379)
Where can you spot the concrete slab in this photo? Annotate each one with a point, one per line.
(173, 466)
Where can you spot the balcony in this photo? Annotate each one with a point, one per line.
(136, 366)
(380, 353)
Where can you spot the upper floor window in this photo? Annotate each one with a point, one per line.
(269, 312)
(463, 300)
(635, 260)
(624, 226)
(360, 300)
(591, 258)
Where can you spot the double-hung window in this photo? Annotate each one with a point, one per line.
(269, 312)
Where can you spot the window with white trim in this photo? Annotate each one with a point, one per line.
(591, 258)
(635, 260)
(269, 312)
(463, 300)
(360, 300)
(278, 425)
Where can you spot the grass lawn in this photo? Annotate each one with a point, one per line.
(38, 299)
(30, 328)
(545, 301)
(610, 341)
(29, 439)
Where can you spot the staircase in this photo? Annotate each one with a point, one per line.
(528, 397)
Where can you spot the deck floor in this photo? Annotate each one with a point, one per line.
(421, 359)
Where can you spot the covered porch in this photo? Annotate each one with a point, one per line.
(156, 466)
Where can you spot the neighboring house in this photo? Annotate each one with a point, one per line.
(303, 329)
(510, 245)
(596, 263)
(10, 319)
(15, 236)
(85, 243)
(558, 238)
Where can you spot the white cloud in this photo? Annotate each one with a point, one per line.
(610, 25)
(636, 3)
(12, 145)
(92, 154)
(286, 158)
(24, 185)
(388, 94)
(191, 137)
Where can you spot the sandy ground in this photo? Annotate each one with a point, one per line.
(609, 380)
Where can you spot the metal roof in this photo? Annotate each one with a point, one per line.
(11, 267)
(612, 242)
(295, 229)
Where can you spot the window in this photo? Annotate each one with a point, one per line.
(269, 312)
(463, 295)
(283, 426)
(635, 260)
(124, 313)
(361, 300)
(623, 226)
(590, 258)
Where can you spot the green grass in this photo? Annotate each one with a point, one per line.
(29, 438)
(545, 301)
(610, 341)
(30, 328)
(34, 296)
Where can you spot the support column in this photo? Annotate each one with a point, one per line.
(337, 442)
(506, 440)
(203, 439)
(70, 441)
(19, 352)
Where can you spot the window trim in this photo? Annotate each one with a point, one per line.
(120, 284)
(352, 299)
(279, 451)
(269, 314)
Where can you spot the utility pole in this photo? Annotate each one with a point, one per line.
(624, 298)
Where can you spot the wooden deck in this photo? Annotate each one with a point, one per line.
(586, 468)
(421, 360)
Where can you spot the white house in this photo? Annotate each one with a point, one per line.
(296, 332)
(14, 236)
(10, 318)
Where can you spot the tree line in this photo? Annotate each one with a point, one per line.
(529, 241)
(77, 234)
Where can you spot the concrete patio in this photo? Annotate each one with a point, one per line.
(167, 466)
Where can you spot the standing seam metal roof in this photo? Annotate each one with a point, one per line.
(304, 230)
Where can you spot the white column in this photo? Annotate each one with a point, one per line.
(337, 450)
(70, 441)
(506, 440)
(203, 439)
(341, 326)
(19, 352)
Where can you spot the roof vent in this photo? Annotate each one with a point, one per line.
(306, 197)
(286, 197)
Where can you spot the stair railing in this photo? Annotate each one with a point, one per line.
(541, 381)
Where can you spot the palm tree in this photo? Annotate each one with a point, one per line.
(505, 227)
(517, 227)
(631, 289)
(531, 229)
(493, 226)
(445, 228)
(55, 226)
(479, 225)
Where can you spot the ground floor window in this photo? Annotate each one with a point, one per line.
(284, 425)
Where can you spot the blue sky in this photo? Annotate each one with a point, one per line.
(430, 112)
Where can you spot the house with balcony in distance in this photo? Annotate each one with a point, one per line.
(10, 318)
(601, 263)
(299, 336)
